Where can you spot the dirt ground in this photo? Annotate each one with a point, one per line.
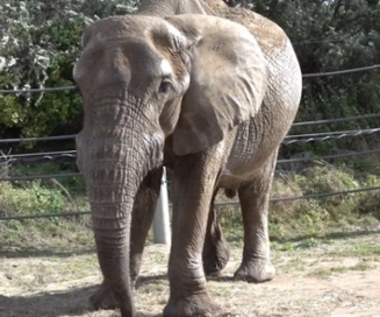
(338, 275)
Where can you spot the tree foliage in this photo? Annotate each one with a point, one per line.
(39, 43)
(332, 35)
(328, 36)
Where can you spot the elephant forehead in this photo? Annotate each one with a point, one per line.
(131, 25)
(121, 25)
(134, 54)
(144, 58)
(125, 50)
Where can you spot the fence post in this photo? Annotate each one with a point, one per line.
(161, 222)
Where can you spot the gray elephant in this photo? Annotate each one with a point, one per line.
(211, 99)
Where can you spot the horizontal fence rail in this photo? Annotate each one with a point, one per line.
(326, 157)
(337, 120)
(37, 157)
(337, 135)
(273, 200)
(39, 139)
(351, 133)
(35, 90)
(280, 161)
(341, 72)
(306, 76)
(47, 215)
(70, 153)
(295, 124)
(33, 177)
(9, 159)
(307, 42)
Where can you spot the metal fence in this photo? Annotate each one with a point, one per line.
(40, 157)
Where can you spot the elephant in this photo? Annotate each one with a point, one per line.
(205, 90)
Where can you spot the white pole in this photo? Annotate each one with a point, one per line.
(161, 222)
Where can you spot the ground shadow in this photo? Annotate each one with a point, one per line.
(68, 303)
(71, 302)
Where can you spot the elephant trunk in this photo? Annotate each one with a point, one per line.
(114, 160)
(112, 192)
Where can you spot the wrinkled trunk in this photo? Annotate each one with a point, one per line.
(114, 159)
(114, 184)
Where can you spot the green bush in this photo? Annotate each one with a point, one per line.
(330, 36)
(32, 199)
(39, 42)
(313, 216)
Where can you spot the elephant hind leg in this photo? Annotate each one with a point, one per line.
(216, 252)
(256, 265)
(142, 218)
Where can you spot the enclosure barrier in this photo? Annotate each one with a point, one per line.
(161, 221)
(306, 76)
(163, 235)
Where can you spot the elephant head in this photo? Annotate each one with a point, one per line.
(143, 79)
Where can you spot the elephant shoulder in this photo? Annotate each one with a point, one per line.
(268, 34)
(215, 7)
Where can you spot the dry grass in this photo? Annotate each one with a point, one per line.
(336, 275)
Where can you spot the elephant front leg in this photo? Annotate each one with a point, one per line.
(194, 184)
(142, 217)
(256, 265)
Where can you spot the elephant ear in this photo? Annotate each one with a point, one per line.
(227, 81)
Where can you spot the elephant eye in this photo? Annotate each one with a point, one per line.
(165, 86)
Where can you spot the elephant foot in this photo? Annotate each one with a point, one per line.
(103, 299)
(199, 305)
(215, 258)
(257, 271)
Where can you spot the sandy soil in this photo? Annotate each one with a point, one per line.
(339, 277)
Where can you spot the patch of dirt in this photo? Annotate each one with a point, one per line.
(337, 278)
